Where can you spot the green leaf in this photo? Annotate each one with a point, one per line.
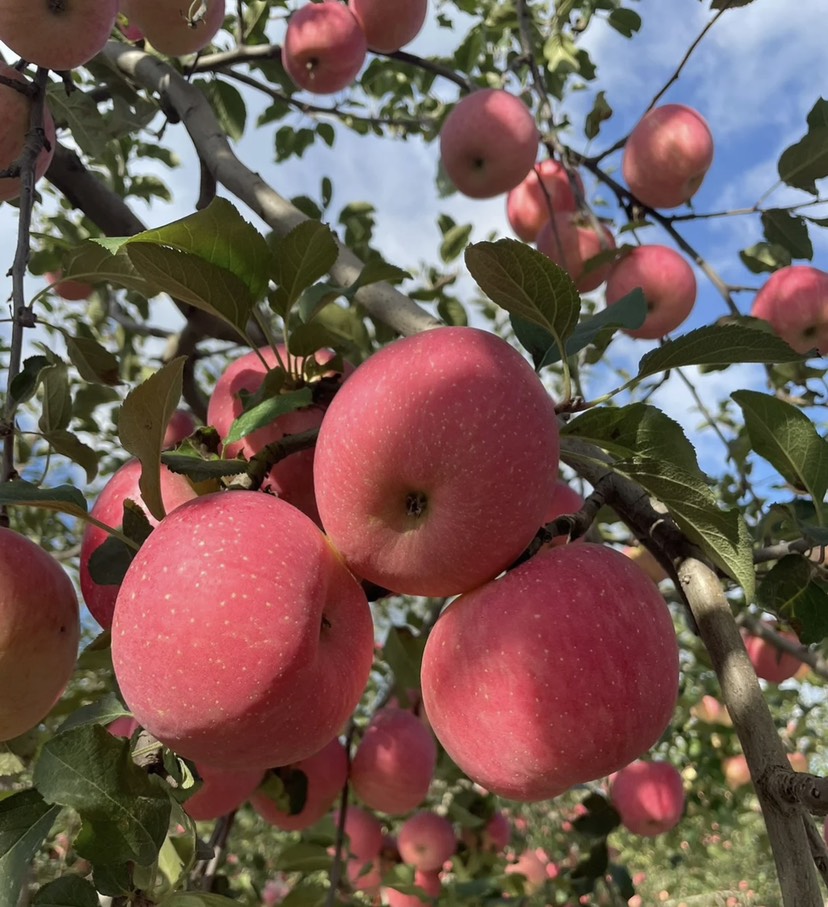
(56, 413)
(802, 164)
(301, 258)
(315, 298)
(451, 311)
(27, 380)
(228, 106)
(200, 470)
(764, 257)
(197, 899)
(788, 230)
(625, 21)
(79, 112)
(791, 590)
(724, 344)
(600, 113)
(377, 271)
(526, 283)
(785, 437)
(61, 499)
(109, 562)
(25, 820)
(125, 813)
(103, 711)
(91, 258)
(70, 446)
(69, 891)
(93, 362)
(455, 241)
(267, 411)
(141, 425)
(304, 857)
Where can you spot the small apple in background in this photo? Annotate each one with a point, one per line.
(571, 245)
(363, 846)
(181, 426)
(109, 509)
(70, 290)
(426, 840)
(736, 771)
(488, 143)
(423, 490)
(176, 29)
(645, 560)
(15, 111)
(649, 797)
(668, 283)
(667, 156)
(564, 500)
(221, 792)
(324, 47)
(769, 662)
(711, 711)
(326, 772)
(39, 633)
(799, 761)
(794, 301)
(389, 24)
(516, 723)
(428, 882)
(57, 36)
(260, 639)
(527, 205)
(394, 763)
(532, 868)
(497, 833)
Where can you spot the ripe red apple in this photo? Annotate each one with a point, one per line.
(564, 500)
(668, 283)
(769, 662)
(39, 633)
(529, 207)
(326, 772)
(711, 711)
(667, 156)
(176, 29)
(57, 35)
(532, 868)
(109, 509)
(649, 797)
(428, 882)
(794, 301)
(488, 143)
(559, 673)
(239, 637)
(364, 833)
(123, 727)
(389, 24)
(497, 833)
(422, 489)
(394, 763)
(71, 290)
(426, 840)
(292, 477)
(181, 426)
(736, 771)
(15, 111)
(324, 47)
(221, 791)
(571, 246)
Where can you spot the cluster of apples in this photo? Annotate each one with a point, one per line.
(326, 43)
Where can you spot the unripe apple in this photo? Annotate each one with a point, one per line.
(668, 284)
(239, 637)
(394, 763)
(569, 662)
(326, 772)
(529, 207)
(769, 662)
(794, 301)
(649, 797)
(324, 47)
(57, 35)
(109, 509)
(221, 791)
(428, 882)
(571, 246)
(176, 28)
(564, 500)
(39, 633)
(15, 111)
(488, 143)
(70, 290)
(532, 868)
(181, 426)
(389, 24)
(426, 840)
(423, 490)
(667, 156)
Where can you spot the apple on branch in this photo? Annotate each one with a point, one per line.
(571, 244)
(794, 301)
(389, 24)
(178, 28)
(545, 191)
(649, 797)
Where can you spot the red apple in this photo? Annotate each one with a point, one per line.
(221, 791)
(667, 156)
(123, 727)
(559, 673)
(497, 833)
(15, 109)
(711, 711)
(71, 290)
(488, 143)
(239, 636)
(326, 773)
(39, 633)
(426, 841)
(176, 28)
(736, 771)
(324, 47)
(422, 489)
(571, 246)
(564, 500)
(109, 509)
(532, 868)
(794, 301)
(394, 763)
(57, 35)
(649, 797)
(544, 191)
(181, 426)
(364, 834)
(389, 24)
(668, 284)
(769, 662)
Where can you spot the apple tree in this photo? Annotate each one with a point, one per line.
(340, 567)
